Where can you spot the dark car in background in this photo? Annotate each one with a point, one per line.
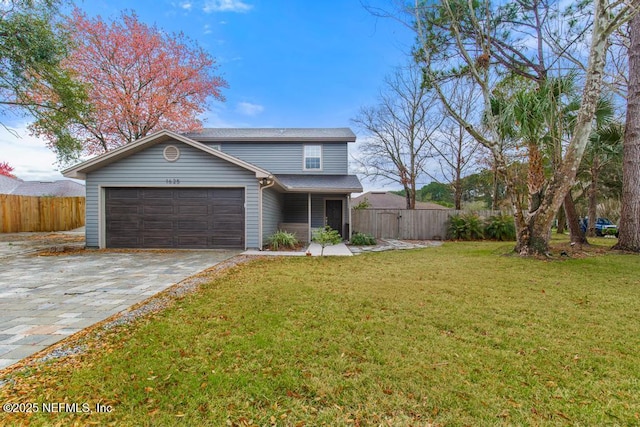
(604, 227)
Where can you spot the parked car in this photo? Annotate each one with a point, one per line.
(604, 227)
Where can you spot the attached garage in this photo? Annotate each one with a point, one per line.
(185, 218)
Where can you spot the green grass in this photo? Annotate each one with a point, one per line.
(457, 335)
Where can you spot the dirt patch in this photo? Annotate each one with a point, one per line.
(48, 238)
(566, 250)
(61, 250)
(296, 248)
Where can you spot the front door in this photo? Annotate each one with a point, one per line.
(333, 212)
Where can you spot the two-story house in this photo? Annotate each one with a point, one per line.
(218, 188)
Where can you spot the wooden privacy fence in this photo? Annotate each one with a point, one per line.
(406, 224)
(27, 213)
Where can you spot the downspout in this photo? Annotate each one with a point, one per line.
(263, 183)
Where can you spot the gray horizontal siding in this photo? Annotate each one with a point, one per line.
(194, 168)
(287, 158)
(272, 206)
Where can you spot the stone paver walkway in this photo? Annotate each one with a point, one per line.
(44, 299)
(392, 244)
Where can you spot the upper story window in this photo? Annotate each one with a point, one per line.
(312, 157)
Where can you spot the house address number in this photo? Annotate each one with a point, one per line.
(172, 181)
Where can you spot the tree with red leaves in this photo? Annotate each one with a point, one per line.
(6, 170)
(139, 80)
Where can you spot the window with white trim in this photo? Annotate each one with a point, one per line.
(312, 157)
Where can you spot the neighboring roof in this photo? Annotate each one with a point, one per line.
(386, 200)
(320, 183)
(79, 171)
(7, 185)
(59, 188)
(273, 135)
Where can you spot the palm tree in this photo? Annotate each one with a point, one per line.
(604, 148)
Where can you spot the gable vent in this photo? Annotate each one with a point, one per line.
(171, 153)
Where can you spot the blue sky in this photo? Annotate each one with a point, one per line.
(288, 63)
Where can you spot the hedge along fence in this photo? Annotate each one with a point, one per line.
(407, 224)
(27, 213)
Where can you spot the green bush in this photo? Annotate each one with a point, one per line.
(500, 227)
(465, 227)
(365, 204)
(326, 236)
(282, 240)
(362, 239)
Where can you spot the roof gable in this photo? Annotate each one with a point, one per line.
(386, 200)
(80, 170)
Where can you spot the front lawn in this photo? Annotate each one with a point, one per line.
(456, 335)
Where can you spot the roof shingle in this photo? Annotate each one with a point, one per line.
(59, 188)
(386, 200)
(317, 183)
(273, 134)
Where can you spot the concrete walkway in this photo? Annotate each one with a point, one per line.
(314, 249)
(44, 299)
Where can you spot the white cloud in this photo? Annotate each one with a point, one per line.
(186, 5)
(207, 29)
(226, 6)
(249, 109)
(30, 157)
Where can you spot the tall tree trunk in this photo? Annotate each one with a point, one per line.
(413, 193)
(410, 196)
(562, 220)
(494, 199)
(576, 235)
(457, 191)
(593, 200)
(535, 177)
(629, 237)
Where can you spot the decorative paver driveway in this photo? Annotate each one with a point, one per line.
(44, 299)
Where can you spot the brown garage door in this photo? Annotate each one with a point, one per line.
(190, 218)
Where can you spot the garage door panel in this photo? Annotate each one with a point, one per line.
(175, 218)
(202, 225)
(125, 242)
(124, 225)
(193, 210)
(157, 225)
(154, 201)
(195, 242)
(158, 210)
(124, 193)
(157, 194)
(157, 242)
(125, 210)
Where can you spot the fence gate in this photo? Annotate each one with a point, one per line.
(388, 225)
